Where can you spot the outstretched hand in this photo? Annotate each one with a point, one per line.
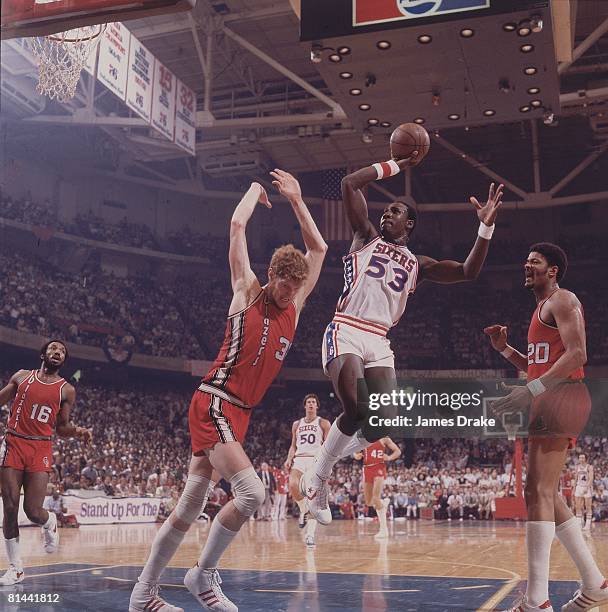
(286, 184)
(498, 336)
(263, 196)
(407, 162)
(487, 212)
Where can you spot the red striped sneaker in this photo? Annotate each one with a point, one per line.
(522, 605)
(204, 584)
(145, 598)
(13, 575)
(587, 599)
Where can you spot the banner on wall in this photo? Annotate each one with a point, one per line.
(113, 63)
(139, 79)
(163, 100)
(185, 118)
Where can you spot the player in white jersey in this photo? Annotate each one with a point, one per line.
(307, 435)
(583, 491)
(380, 273)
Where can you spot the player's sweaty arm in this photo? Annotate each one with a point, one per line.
(395, 450)
(8, 392)
(64, 427)
(292, 449)
(448, 271)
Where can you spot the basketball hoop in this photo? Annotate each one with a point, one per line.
(61, 58)
(511, 429)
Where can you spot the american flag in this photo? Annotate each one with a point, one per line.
(335, 221)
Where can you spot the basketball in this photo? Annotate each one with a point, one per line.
(407, 138)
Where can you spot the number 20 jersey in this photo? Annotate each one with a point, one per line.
(378, 280)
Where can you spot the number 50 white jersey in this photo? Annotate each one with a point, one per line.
(378, 280)
(309, 437)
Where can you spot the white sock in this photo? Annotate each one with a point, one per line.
(539, 536)
(331, 451)
(381, 512)
(301, 505)
(570, 535)
(356, 444)
(311, 527)
(217, 542)
(13, 553)
(168, 539)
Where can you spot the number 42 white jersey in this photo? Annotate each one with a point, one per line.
(378, 280)
(309, 437)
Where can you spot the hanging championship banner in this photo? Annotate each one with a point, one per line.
(185, 118)
(139, 79)
(113, 61)
(163, 100)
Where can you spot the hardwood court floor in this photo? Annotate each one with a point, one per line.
(422, 566)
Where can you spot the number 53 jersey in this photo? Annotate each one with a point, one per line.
(378, 279)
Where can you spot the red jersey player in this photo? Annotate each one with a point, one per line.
(374, 472)
(261, 326)
(41, 406)
(559, 408)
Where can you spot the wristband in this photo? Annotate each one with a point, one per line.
(536, 387)
(387, 168)
(507, 352)
(485, 231)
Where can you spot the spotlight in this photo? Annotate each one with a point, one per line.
(533, 90)
(549, 117)
(467, 33)
(530, 70)
(344, 50)
(526, 48)
(385, 124)
(489, 112)
(346, 75)
(524, 28)
(536, 103)
(419, 120)
(316, 54)
(335, 57)
(373, 121)
(509, 27)
(524, 109)
(366, 137)
(425, 39)
(383, 45)
(365, 107)
(537, 23)
(355, 92)
(453, 117)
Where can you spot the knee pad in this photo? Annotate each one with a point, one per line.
(248, 490)
(192, 499)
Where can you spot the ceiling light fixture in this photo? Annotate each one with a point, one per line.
(335, 57)
(526, 48)
(355, 92)
(489, 112)
(511, 26)
(364, 106)
(533, 90)
(344, 50)
(373, 121)
(419, 120)
(524, 109)
(467, 33)
(346, 75)
(530, 70)
(425, 39)
(385, 124)
(453, 117)
(383, 45)
(536, 103)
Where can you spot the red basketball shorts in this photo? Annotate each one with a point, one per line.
(26, 455)
(212, 419)
(374, 471)
(561, 412)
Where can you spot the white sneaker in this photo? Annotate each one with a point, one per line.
(522, 605)
(204, 584)
(309, 541)
(50, 536)
(145, 597)
(316, 494)
(587, 599)
(12, 575)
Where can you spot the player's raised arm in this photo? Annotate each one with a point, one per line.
(64, 427)
(8, 392)
(498, 338)
(316, 247)
(241, 274)
(448, 271)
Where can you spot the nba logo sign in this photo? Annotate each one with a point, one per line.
(367, 12)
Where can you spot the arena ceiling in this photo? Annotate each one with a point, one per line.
(262, 103)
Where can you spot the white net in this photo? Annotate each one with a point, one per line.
(61, 58)
(511, 429)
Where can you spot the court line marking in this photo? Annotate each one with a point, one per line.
(468, 588)
(75, 571)
(165, 585)
(491, 602)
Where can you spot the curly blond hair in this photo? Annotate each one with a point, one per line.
(289, 263)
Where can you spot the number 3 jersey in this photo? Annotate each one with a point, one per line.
(35, 407)
(545, 346)
(255, 344)
(378, 280)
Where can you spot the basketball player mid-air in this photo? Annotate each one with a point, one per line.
(583, 491)
(307, 435)
(559, 405)
(380, 272)
(41, 406)
(374, 473)
(260, 330)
